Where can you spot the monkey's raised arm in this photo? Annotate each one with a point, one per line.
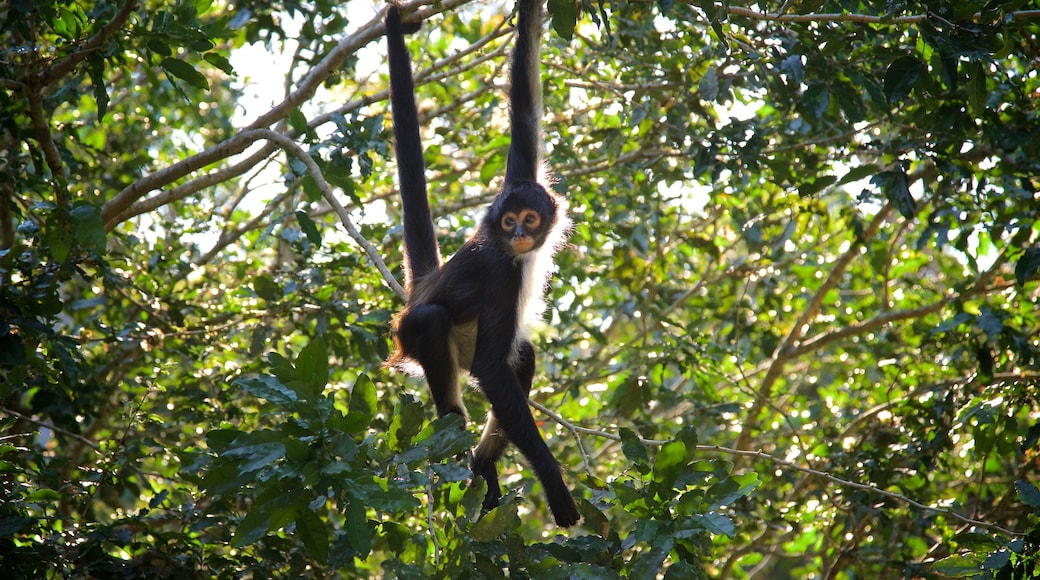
(421, 251)
(525, 96)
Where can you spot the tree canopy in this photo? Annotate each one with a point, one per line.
(795, 332)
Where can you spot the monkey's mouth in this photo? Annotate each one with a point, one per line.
(522, 245)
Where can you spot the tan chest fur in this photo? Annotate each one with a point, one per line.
(463, 340)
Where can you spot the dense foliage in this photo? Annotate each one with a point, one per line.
(796, 332)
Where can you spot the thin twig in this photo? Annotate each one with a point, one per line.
(859, 18)
(326, 190)
(578, 430)
(52, 427)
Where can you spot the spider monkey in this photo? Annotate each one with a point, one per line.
(470, 314)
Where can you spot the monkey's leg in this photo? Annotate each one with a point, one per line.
(425, 335)
(508, 402)
(493, 442)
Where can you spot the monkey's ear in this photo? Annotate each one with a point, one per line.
(393, 20)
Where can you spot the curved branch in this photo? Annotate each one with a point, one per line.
(292, 147)
(786, 350)
(116, 207)
(346, 47)
(119, 207)
(95, 42)
(46, 140)
(184, 190)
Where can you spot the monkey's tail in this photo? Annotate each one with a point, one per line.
(421, 251)
(525, 96)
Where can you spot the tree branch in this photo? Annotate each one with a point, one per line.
(95, 42)
(46, 140)
(346, 47)
(120, 207)
(786, 349)
(859, 18)
(292, 147)
(578, 431)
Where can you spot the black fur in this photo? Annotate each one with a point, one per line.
(469, 314)
(423, 254)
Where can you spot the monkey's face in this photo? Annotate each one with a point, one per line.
(521, 217)
(523, 228)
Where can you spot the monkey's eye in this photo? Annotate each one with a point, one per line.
(509, 221)
(531, 219)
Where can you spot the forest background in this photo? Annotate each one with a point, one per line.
(794, 333)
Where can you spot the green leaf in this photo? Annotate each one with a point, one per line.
(159, 47)
(959, 566)
(88, 229)
(688, 435)
(57, 239)
(257, 456)
(310, 229)
(895, 187)
(634, 449)
(975, 542)
(282, 368)
(857, 173)
(564, 17)
(996, 560)
(313, 534)
(649, 563)
(407, 421)
(12, 350)
(11, 525)
(356, 528)
(312, 369)
(491, 169)
(251, 528)
(43, 495)
(1028, 494)
(363, 397)
(731, 489)
(221, 439)
(219, 61)
(394, 499)
(901, 77)
(495, 523)
(708, 85)
(445, 437)
(266, 288)
(669, 463)
(716, 523)
(298, 122)
(816, 100)
(96, 71)
(990, 323)
(1027, 266)
(977, 91)
(715, 17)
(185, 72)
(268, 388)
